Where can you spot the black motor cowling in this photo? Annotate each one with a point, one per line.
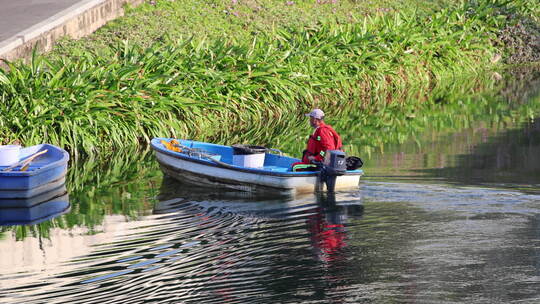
(334, 165)
(335, 162)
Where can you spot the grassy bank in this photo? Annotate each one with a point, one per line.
(242, 71)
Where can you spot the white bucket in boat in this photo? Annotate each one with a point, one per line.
(248, 156)
(249, 161)
(9, 154)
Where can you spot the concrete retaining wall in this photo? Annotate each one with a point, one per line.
(77, 21)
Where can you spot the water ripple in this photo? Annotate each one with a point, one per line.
(414, 244)
(201, 251)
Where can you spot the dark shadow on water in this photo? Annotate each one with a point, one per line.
(494, 141)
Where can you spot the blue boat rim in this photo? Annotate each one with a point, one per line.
(64, 159)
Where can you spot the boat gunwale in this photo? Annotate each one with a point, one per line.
(240, 169)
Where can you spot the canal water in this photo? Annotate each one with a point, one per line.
(447, 213)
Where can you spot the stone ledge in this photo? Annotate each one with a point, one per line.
(76, 21)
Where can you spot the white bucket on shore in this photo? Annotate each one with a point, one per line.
(9, 154)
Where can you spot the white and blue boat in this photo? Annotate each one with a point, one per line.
(206, 164)
(43, 174)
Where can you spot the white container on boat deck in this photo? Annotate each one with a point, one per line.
(9, 154)
(248, 156)
(249, 160)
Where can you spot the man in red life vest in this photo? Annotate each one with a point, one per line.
(324, 138)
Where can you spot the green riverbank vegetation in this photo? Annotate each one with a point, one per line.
(206, 69)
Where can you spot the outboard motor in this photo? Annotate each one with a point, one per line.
(334, 165)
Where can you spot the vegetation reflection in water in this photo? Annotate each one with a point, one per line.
(127, 183)
(497, 149)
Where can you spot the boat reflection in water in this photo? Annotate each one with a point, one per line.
(325, 214)
(270, 244)
(333, 208)
(42, 207)
(327, 225)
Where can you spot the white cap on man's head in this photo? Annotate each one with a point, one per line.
(316, 113)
